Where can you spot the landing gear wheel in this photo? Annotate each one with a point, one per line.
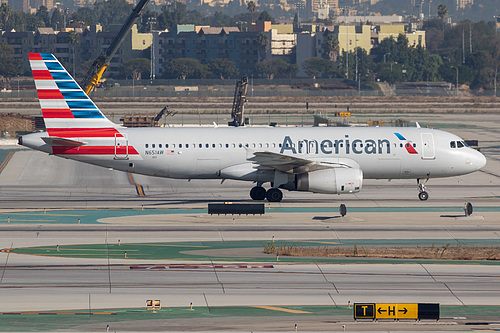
(422, 193)
(423, 196)
(274, 195)
(258, 193)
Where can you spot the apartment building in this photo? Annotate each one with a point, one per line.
(310, 43)
(461, 4)
(205, 43)
(92, 42)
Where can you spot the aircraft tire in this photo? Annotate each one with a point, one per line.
(274, 195)
(423, 196)
(258, 193)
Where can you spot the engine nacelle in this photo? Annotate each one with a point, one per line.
(330, 181)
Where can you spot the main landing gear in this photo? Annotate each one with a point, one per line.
(422, 193)
(260, 193)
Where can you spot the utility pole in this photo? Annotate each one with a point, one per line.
(151, 22)
(456, 86)
(347, 53)
(470, 38)
(463, 45)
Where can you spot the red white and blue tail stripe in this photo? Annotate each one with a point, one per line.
(65, 107)
(75, 125)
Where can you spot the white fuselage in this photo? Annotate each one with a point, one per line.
(221, 152)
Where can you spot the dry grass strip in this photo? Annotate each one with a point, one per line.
(447, 252)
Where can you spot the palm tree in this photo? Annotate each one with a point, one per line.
(5, 12)
(74, 39)
(442, 11)
(330, 47)
(262, 42)
(251, 7)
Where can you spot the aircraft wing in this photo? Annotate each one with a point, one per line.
(290, 164)
(55, 141)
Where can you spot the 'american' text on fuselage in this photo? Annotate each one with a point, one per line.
(338, 146)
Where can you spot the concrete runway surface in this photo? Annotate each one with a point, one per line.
(224, 287)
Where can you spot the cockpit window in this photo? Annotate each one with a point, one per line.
(460, 144)
(452, 144)
(465, 144)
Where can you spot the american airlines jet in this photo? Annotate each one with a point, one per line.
(323, 160)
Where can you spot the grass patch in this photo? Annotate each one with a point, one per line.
(445, 252)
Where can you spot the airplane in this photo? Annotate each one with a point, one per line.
(332, 160)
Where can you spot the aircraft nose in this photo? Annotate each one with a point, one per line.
(480, 161)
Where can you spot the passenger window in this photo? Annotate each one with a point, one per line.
(153, 145)
(207, 145)
(173, 145)
(147, 146)
(241, 145)
(166, 145)
(180, 145)
(213, 145)
(401, 145)
(187, 145)
(227, 145)
(159, 146)
(414, 145)
(452, 144)
(267, 145)
(460, 144)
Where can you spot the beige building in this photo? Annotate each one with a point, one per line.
(83, 3)
(310, 43)
(281, 44)
(393, 30)
(352, 36)
(464, 3)
(35, 4)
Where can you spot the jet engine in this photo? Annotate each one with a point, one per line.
(330, 181)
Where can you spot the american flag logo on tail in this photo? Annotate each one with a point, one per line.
(71, 117)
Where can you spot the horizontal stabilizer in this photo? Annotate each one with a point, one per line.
(55, 141)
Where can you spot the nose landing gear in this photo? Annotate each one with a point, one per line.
(422, 193)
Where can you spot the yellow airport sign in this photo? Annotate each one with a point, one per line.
(396, 311)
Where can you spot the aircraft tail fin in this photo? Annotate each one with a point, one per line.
(66, 108)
